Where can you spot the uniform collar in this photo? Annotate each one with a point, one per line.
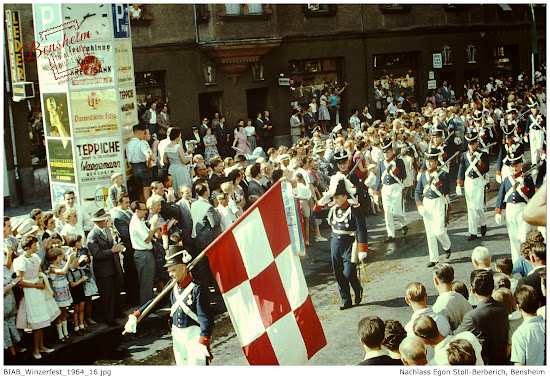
(345, 205)
(517, 175)
(187, 280)
(390, 159)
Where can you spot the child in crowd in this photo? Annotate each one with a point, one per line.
(504, 265)
(74, 242)
(77, 279)
(60, 286)
(459, 145)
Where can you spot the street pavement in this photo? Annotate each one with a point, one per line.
(389, 268)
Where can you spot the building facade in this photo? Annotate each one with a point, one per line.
(229, 58)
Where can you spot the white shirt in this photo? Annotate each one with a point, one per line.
(161, 149)
(440, 350)
(138, 233)
(313, 107)
(249, 130)
(135, 150)
(442, 323)
(227, 217)
(153, 119)
(84, 219)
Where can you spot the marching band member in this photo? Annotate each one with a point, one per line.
(391, 173)
(434, 186)
(510, 144)
(515, 191)
(443, 148)
(473, 165)
(535, 132)
(348, 228)
(192, 319)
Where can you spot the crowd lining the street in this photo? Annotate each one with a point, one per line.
(188, 189)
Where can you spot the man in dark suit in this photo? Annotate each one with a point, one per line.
(186, 220)
(106, 265)
(206, 228)
(254, 184)
(488, 321)
(121, 216)
(203, 127)
(371, 332)
(259, 126)
(268, 129)
(223, 137)
(116, 189)
(537, 257)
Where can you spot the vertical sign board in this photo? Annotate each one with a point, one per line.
(13, 26)
(437, 60)
(81, 79)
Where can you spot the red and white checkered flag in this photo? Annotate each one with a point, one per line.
(262, 283)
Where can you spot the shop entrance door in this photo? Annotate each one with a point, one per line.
(210, 103)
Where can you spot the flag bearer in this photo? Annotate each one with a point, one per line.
(515, 191)
(349, 236)
(191, 316)
(473, 165)
(391, 173)
(434, 186)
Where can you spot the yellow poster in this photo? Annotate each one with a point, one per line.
(94, 112)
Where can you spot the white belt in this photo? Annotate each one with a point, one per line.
(343, 232)
(180, 303)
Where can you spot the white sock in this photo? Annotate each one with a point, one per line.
(76, 328)
(82, 326)
(59, 331)
(64, 325)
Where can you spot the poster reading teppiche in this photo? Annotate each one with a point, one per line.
(94, 112)
(98, 158)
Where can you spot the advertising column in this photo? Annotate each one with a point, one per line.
(88, 95)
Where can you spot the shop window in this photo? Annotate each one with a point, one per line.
(505, 58)
(394, 8)
(312, 10)
(149, 86)
(396, 74)
(233, 11)
(140, 14)
(308, 78)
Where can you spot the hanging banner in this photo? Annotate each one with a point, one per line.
(56, 114)
(98, 158)
(13, 27)
(60, 159)
(94, 112)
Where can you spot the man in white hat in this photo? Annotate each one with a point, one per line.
(473, 165)
(191, 317)
(390, 175)
(535, 132)
(431, 202)
(515, 191)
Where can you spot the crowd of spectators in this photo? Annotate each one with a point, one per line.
(190, 188)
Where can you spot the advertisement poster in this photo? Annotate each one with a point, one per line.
(121, 21)
(60, 159)
(56, 115)
(124, 61)
(96, 67)
(98, 158)
(128, 109)
(94, 197)
(58, 190)
(94, 113)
